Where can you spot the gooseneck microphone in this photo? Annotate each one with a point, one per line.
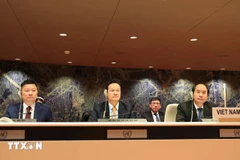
(21, 114)
(20, 106)
(20, 110)
(105, 107)
(192, 112)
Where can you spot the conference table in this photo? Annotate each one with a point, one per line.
(120, 140)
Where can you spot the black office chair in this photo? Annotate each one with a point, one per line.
(85, 116)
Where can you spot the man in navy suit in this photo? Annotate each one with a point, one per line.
(154, 114)
(29, 108)
(196, 109)
(113, 108)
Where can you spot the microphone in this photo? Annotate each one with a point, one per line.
(192, 93)
(21, 114)
(21, 103)
(20, 110)
(192, 113)
(105, 107)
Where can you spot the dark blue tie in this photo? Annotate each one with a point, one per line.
(199, 114)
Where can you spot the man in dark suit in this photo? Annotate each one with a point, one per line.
(29, 108)
(154, 114)
(196, 109)
(113, 108)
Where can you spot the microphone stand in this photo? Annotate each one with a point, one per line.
(20, 109)
(104, 113)
(105, 107)
(191, 113)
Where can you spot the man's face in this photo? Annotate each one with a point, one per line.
(114, 92)
(200, 94)
(29, 93)
(155, 106)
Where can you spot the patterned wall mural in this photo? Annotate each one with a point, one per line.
(72, 90)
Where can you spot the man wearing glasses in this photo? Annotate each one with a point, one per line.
(154, 115)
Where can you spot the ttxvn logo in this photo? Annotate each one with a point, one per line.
(25, 145)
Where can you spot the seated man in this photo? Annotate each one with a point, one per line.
(29, 108)
(196, 109)
(113, 108)
(154, 115)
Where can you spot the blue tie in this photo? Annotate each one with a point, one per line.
(157, 118)
(199, 114)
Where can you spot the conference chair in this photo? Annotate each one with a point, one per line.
(85, 116)
(170, 113)
(6, 119)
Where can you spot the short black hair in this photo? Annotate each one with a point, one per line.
(112, 81)
(194, 87)
(28, 81)
(154, 99)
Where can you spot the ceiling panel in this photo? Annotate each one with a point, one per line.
(99, 33)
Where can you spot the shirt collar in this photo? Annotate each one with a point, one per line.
(154, 114)
(197, 106)
(111, 106)
(25, 105)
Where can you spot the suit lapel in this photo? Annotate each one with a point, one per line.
(18, 107)
(107, 111)
(206, 110)
(150, 116)
(36, 110)
(121, 110)
(195, 118)
(161, 116)
(103, 109)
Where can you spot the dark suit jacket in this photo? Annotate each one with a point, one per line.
(42, 112)
(124, 111)
(148, 115)
(186, 109)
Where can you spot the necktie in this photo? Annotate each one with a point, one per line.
(28, 114)
(157, 118)
(114, 110)
(199, 114)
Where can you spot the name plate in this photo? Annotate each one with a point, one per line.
(126, 133)
(24, 120)
(218, 112)
(229, 133)
(123, 120)
(12, 134)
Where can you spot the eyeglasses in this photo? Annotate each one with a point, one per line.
(155, 103)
